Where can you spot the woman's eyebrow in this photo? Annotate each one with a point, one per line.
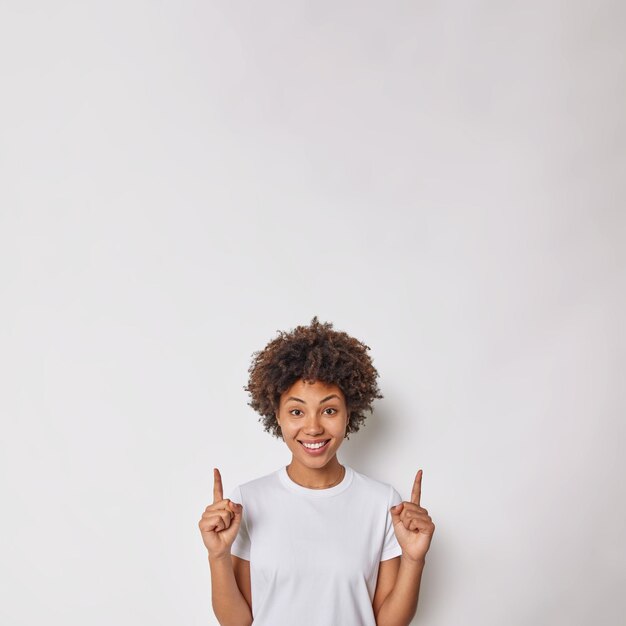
(332, 395)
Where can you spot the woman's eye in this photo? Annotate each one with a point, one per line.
(297, 412)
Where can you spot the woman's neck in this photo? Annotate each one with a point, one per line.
(316, 478)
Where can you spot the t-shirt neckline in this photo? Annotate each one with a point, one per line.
(316, 493)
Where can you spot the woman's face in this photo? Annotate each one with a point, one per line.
(313, 412)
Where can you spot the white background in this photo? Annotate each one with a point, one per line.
(443, 180)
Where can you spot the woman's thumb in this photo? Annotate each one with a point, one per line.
(395, 510)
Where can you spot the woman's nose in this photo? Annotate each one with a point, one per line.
(313, 424)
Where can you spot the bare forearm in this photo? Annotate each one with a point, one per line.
(400, 605)
(229, 605)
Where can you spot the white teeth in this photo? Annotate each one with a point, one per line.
(314, 446)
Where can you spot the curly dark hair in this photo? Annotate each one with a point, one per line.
(314, 352)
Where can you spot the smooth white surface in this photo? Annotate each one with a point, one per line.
(445, 181)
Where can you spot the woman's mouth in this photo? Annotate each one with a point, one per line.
(315, 449)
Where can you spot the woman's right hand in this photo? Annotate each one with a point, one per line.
(220, 521)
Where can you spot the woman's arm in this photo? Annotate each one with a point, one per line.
(399, 607)
(220, 525)
(414, 531)
(229, 605)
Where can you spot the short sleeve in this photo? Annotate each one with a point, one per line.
(391, 547)
(241, 545)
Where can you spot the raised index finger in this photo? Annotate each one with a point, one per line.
(416, 494)
(218, 490)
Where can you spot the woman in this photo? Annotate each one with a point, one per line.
(316, 542)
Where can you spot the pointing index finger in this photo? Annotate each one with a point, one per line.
(218, 490)
(416, 494)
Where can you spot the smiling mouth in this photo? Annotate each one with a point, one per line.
(316, 447)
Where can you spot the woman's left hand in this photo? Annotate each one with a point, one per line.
(412, 525)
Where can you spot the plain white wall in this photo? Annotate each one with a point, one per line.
(443, 180)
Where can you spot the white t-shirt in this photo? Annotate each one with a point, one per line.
(314, 553)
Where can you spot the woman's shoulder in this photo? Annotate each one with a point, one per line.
(259, 484)
(374, 486)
